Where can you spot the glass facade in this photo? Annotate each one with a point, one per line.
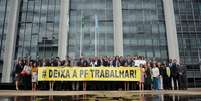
(3, 30)
(3, 25)
(91, 28)
(144, 30)
(38, 28)
(188, 23)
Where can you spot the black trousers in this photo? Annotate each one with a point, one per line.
(167, 83)
(147, 83)
(175, 79)
(26, 80)
(181, 82)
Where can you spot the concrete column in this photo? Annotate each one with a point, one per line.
(14, 7)
(171, 30)
(63, 28)
(118, 32)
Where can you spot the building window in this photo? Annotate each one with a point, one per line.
(38, 29)
(91, 28)
(143, 21)
(188, 28)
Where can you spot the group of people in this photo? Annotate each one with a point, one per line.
(156, 75)
(27, 72)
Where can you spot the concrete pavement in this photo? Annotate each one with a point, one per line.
(99, 93)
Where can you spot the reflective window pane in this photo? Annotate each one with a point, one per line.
(188, 22)
(91, 28)
(38, 28)
(3, 26)
(144, 30)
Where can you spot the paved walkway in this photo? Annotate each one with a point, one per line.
(99, 93)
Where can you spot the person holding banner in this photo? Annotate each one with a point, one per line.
(85, 64)
(58, 84)
(93, 63)
(51, 83)
(98, 62)
(75, 84)
(44, 63)
(130, 62)
(65, 63)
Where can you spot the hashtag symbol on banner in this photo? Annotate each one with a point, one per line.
(44, 74)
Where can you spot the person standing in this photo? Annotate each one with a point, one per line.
(155, 75)
(161, 70)
(141, 83)
(34, 76)
(93, 63)
(54, 63)
(170, 63)
(85, 64)
(181, 76)
(18, 70)
(66, 63)
(115, 62)
(130, 62)
(44, 63)
(148, 76)
(174, 74)
(166, 77)
(76, 84)
(137, 62)
(26, 75)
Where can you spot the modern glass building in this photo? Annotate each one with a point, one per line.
(159, 29)
(91, 28)
(38, 28)
(188, 24)
(144, 31)
(3, 29)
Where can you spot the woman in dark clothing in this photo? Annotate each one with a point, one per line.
(148, 80)
(26, 75)
(18, 70)
(161, 67)
(166, 78)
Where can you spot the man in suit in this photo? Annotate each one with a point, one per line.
(174, 73)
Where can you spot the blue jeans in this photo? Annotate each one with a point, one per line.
(156, 83)
(159, 82)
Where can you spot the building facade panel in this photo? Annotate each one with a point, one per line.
(38, 28)
(3, 29)
(144, 31)
(188, 25)
(10, 41)
(91, 28)
(188, 21)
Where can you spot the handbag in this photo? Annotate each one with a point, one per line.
(26, 70)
